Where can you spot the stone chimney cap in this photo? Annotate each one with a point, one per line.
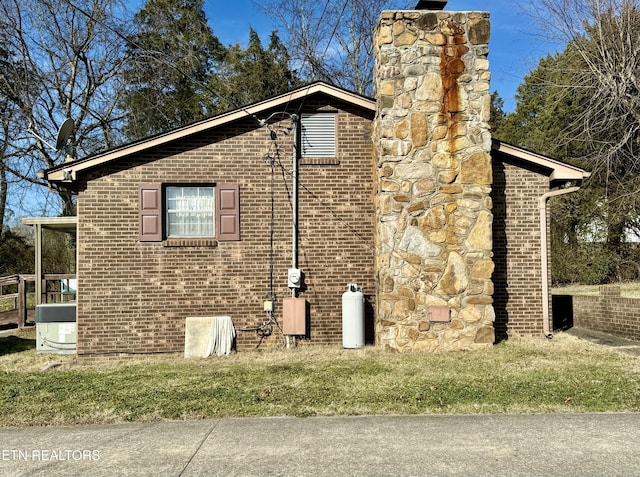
(431, 4)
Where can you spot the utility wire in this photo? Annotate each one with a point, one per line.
(333, 33)
(335, 29)
(324, 206)
(288, 173)
(261, 122)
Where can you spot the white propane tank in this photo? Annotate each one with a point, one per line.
(353, 317)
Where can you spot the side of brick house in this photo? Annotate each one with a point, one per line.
(135, 296)
(517, 277)
(521, 181)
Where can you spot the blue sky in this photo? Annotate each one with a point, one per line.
(515, 49)
(516, 42)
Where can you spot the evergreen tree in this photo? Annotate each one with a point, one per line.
(580, 106)
(172, 56)
(256, 73)
(497, 115)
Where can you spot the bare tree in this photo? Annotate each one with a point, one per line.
(4, 134)
(331, 40)
(64, 61)
(603, 70)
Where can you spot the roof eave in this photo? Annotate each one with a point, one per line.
(69, 171)
(560, 171)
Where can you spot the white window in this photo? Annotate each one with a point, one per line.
(190, 211)
(318, 134)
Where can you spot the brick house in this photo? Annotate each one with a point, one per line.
(199, 222)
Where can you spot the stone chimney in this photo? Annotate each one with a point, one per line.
(434, 239)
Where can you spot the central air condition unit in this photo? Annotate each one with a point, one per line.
(56, 328)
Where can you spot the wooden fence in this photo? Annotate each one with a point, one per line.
(16, 290)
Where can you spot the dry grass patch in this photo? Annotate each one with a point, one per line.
(521, 375)
(627, 289)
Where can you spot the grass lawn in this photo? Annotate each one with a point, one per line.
(627, 289)
(518, 376)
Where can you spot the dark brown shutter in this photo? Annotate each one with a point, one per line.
(227, 212)
(150, 225)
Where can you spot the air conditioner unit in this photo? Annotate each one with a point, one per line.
(56, 328)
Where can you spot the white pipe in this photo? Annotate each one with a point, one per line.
(294, 179)
(542, 205)
(38, 264)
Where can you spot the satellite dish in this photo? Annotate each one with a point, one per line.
(64, 133)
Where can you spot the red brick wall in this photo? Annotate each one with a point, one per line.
(134, 296)
(608, 313)
(516, 241)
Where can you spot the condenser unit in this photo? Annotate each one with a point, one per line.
(56, 328)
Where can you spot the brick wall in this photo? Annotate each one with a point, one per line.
(609, 313)
(134, 296)
(517, 276)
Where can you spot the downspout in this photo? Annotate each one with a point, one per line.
(38, 264)
(542, 205)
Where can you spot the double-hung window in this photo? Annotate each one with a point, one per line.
(192, 211)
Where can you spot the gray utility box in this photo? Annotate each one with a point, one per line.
(56, 328)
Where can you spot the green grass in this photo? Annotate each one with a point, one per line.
(7, 304)
(518, 376)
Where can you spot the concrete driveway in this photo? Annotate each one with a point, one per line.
(480, 445)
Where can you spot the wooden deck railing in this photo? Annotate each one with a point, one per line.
(17, 288)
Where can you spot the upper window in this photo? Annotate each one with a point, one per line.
(318, 135)
(189, 211)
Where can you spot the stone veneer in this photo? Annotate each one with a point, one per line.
(434, 221)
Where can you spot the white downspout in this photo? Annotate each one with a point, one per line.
(542, 205)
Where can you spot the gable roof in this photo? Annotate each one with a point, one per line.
(70, 170)
(558, 171)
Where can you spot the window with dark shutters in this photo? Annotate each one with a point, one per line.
(228, 212)
(152, 210)
(150, 213)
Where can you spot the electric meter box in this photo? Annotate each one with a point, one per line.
(56, 330)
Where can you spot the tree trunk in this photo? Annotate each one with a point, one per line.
(615, 241)
(68, 204)
(3, 197)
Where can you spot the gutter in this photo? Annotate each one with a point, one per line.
(542, 206)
